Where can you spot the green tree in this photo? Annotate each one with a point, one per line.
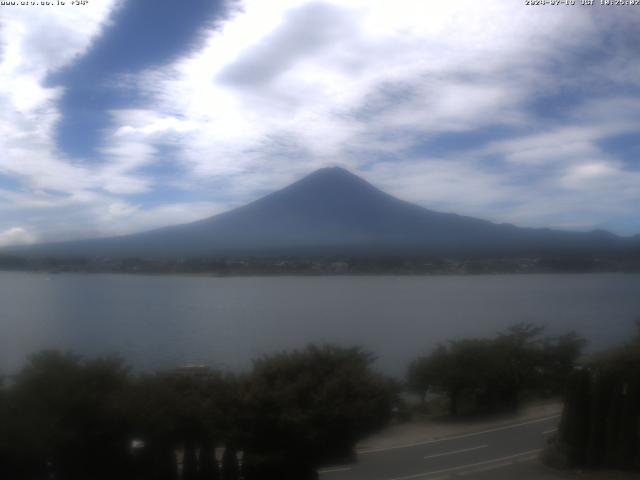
(462, 370)
(559, 357)
(519, 361)
(420, 378)
(65, 418)
(492, 374)
(188, 411)
(599, 426)
(308, 407)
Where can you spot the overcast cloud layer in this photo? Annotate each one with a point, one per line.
(494, 109)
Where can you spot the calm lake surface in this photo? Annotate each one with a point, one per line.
(164, 321)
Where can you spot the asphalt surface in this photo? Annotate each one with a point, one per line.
(502, 452)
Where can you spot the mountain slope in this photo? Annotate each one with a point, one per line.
(333, 211)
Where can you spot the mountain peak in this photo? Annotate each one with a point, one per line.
(331, 174)
(332, 181)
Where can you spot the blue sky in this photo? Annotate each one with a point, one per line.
(124, 115)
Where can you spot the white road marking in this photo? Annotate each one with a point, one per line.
(470, 465)
(547, 432)
(526, 459)
(456, 437)
(486, 469)
(334, 470)
(456, 451)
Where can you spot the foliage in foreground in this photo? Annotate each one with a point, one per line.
(68, 418)
(489, 375)
(600, 426)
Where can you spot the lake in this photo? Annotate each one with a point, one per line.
(164, 321)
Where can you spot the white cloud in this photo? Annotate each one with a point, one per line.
(35, 42)
(330, 75)
(15, 236)
(123, 218)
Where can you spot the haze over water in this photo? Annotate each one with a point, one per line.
(164, 321)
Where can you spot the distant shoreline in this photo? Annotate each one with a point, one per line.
(334, 265)
(313, 275)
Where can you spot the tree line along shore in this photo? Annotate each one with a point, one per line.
(326, 265)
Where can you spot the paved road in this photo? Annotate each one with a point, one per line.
(508, 452)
